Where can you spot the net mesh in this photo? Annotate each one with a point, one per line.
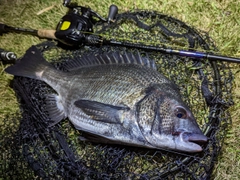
(30, 149)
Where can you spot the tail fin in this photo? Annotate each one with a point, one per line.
(31, 65)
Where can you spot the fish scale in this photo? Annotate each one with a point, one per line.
(119, 75)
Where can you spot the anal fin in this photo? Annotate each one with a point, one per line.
(55, 108)
(89, 137)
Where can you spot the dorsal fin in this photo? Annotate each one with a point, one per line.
(114, 57)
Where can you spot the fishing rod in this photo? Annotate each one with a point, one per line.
(76, 29)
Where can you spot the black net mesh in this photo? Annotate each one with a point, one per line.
(30, 149)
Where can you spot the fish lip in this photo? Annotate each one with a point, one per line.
(191, 137)
(198, 138)
(191, 141)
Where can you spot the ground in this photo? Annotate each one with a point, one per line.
(220, 18)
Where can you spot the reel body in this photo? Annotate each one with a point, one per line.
(69, 29)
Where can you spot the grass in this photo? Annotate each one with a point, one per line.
(220, 18)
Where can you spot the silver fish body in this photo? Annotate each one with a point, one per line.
(120, 98)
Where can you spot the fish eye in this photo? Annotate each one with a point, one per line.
(180, 113)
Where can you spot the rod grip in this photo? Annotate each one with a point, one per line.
(44, 33)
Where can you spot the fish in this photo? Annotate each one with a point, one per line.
(117, 97)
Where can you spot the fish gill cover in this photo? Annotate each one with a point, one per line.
(30, 149)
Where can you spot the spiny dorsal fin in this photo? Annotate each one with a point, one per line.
(114, 57)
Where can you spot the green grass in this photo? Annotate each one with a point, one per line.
(220, 18)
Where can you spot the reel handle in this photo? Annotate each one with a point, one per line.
(66, 2)
(113, 10)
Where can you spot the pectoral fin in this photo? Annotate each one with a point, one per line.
(100, 111)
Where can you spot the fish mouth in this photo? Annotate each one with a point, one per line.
(191, 141)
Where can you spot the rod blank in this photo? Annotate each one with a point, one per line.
(193, 54)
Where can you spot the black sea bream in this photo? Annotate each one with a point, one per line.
(118, 97)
